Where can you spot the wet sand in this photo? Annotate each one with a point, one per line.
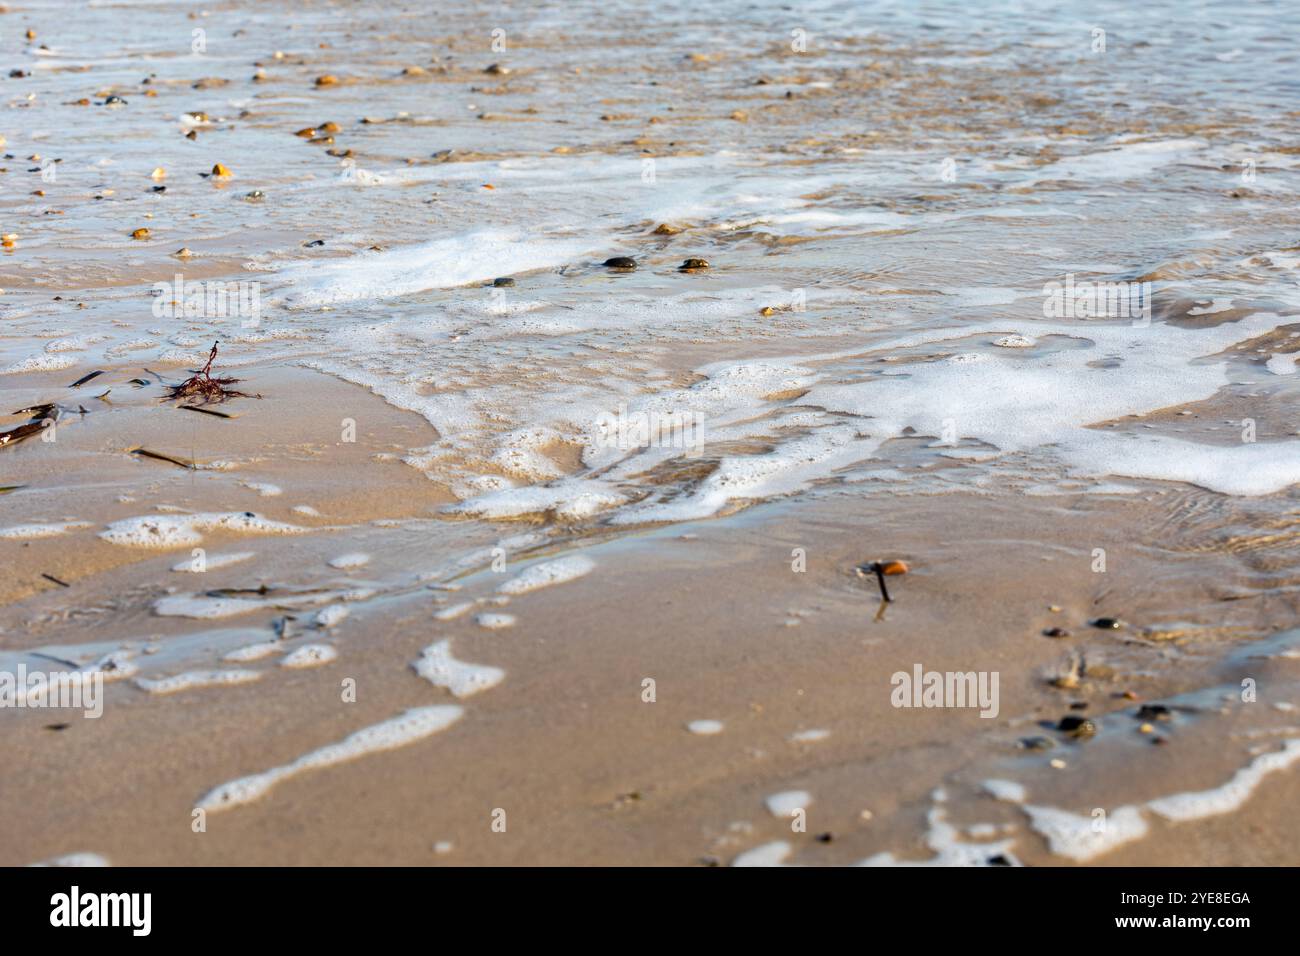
(586, 770)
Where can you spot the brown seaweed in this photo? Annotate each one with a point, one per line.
(86, 378)
(40, 416)
(203, 388)
(159, 456)
(206, 411)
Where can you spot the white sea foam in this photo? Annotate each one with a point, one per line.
(456, 260)
(204, 607)
(177, 531)
(1081, 838)
(453, 611)
(309, 655)
(415, 724)
(438, 667)
(192, 679)
(548, 573)
(786, 802)
(571, 500)
(40, 363)
(253, 652)
(330, 616)
(1233, 794)
(1281, 364)
(769, 854)
(495, 622)
(1005, 790)
(76, 860)
(41, 530)
(945, 840)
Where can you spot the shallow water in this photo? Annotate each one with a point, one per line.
(890, 275)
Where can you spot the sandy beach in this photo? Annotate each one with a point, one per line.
(510, 552)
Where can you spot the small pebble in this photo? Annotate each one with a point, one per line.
(620, 262)
(692, 265)
(1106, 623)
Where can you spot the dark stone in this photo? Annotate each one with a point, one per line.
(503, 281)
(1076, 726)
(692, 264)
(1154, 712)
(1055, 632)
(620, 262)
(1106, 623)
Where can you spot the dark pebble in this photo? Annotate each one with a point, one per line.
(620, 262)
(1055, 632)
(1154, 712)
(1106, 623)
(825, 837)
(314, 243)
(1037, 743)
(1076, 726)
(503, 281)
(692, 264)
(999, 860)
(1079, 705)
